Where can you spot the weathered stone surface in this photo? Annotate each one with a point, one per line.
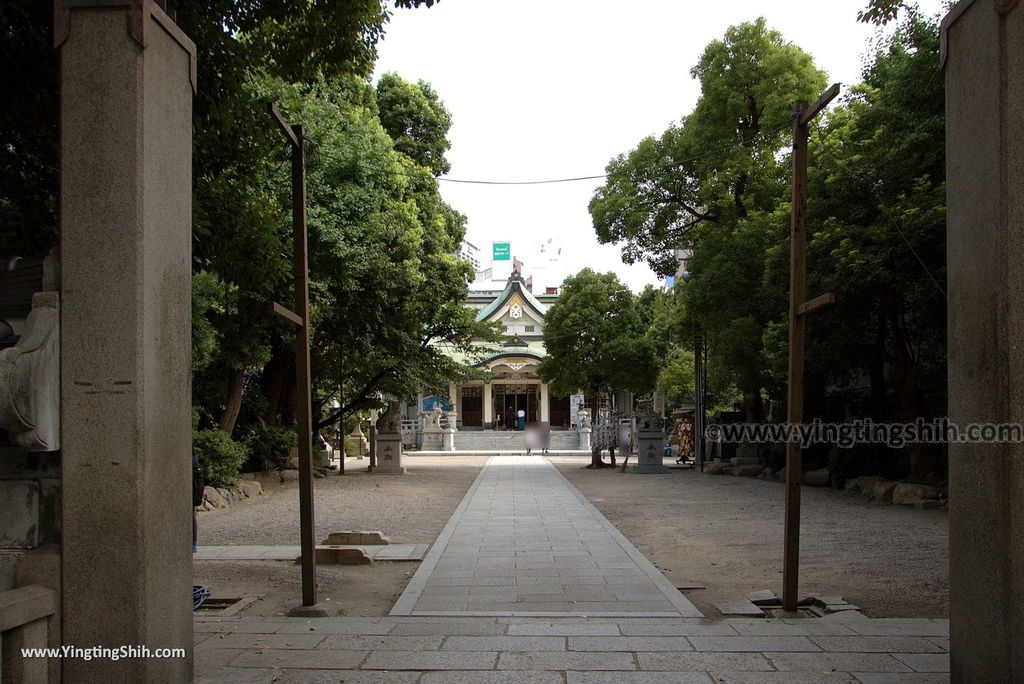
(19, 510)
(883, 491)
(816, 478)
(747, 470)
(714, 468)
(289, 475)
(249, 488)
(214, 498)
(341, 556)
(909, 494)
(349, 537)
(866, 484)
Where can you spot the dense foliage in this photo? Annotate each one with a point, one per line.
(386, 285)
(717, 185)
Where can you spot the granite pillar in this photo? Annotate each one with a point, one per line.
(983, 58)
(127, 79)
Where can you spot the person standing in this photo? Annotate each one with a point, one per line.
(521, 419)
(198, 487)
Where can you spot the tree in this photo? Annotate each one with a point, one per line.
(721, 162)
(595, 339)
(416, 119)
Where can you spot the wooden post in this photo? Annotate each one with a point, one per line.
(303, 382)
(798, 308)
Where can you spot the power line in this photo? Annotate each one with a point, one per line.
(535, 182)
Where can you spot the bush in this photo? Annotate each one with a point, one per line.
(220, 457)
(268, 446)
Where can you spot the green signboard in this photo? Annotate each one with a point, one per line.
(502, 251)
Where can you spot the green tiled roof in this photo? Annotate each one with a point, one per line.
(514, 286)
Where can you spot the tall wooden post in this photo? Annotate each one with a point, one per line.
(798, 308)
(303, 382)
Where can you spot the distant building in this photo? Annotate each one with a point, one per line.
(470, 253)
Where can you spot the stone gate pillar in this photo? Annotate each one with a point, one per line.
(983, 57)
(127, 79)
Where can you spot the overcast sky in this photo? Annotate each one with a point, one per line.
(543, 89)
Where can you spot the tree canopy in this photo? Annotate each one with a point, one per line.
(876, 221)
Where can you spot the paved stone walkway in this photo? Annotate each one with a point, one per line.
(498, 601)
(841, 648)
(525, 542)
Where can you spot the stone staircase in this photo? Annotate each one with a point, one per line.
(488, 440)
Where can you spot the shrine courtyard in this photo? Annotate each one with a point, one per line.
(535, 569)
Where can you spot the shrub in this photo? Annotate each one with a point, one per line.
(268, 446)
(220, 457)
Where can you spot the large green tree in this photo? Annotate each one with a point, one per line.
(721, 162)
(596, 340)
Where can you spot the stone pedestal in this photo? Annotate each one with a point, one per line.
(448, 439)
(127, 76)
(389, 453)
(584, 434)
(650, 452)
(984, 63)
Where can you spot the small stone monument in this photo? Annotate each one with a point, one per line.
(359, 440)
(583, 428)
(389, 441)
(650, 439)
(448, 436)
(433, 433)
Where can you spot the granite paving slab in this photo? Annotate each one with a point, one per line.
(543, 550)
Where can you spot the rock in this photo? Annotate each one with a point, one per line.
(328, 555)
(214, 498)
(852, 485)
(250, 488)
(867, 483)
(714, 468)
(289, 475)
(363, 537)
(747, 470)
(767, 474)
(883, 491)
(930, 505)
(816, 478)
(910, 494)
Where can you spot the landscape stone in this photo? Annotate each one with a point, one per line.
(909, 494)
(250, 488)
(349, 537)
(289, 475)
(883, 491)
(816, 478)
(747, 470)
(213, 497)
(329, 555)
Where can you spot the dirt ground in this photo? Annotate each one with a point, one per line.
(718, 531)
(409, 508)
(726, 532)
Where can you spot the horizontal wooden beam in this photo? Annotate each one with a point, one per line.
(287, 314)
(816, 303)
(283, 125)
(822, 102)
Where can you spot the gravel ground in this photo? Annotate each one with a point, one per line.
(409, 508)
(726, 533)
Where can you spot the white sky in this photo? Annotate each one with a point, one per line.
(544, 89)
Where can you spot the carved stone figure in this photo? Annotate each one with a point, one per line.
(30, 379)
(390, 420)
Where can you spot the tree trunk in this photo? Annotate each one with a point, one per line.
(275, 378)
(233, 403)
